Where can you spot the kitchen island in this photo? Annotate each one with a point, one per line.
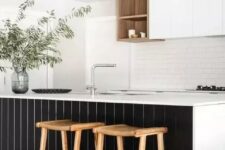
(193, 119)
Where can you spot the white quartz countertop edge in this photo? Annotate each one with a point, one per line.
(174, 99)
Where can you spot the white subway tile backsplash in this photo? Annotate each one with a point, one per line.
(172, 64)
(178, 64)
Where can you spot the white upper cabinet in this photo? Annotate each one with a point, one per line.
(181, 18)
(223, 16)
(207, 17)
(170, 18)
(159, 19)
(186, 18)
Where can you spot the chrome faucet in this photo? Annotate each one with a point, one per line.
(92, 87)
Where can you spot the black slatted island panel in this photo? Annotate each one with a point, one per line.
(18, 117)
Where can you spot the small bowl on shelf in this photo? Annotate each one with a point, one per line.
(134, 36)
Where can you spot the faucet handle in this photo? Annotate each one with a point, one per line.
(90, 87)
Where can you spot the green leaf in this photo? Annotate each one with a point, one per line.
(35, 45)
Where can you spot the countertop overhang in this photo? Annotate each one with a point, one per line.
(166, 98)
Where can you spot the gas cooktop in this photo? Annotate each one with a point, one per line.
(210, 88)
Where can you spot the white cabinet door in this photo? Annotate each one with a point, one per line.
(223, 17)
(209, 131)
(170, 18)
(159, 19)
(181, 16)
(207, 17)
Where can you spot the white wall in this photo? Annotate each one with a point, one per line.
(71, 76)
(8, 10)
(102, 47)
(94, 43)
(71, 72)
(40, 5)
(103, 8)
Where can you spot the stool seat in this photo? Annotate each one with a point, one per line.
(122, 130)
(128, 131)
(117, 130)
(67, 125)
(58, 125)
(85, 126)
(63, 126)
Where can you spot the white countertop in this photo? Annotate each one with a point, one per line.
(165, 98)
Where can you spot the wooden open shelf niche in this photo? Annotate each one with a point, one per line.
(140, 25)
(132, 7)
(132, 14)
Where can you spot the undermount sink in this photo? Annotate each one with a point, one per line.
(129, 92)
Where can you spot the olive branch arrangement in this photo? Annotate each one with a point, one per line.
(28, 48)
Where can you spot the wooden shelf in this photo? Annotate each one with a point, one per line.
(133, 14)
(134, 17)
(132, 7)
(126, 24)
(139, 40)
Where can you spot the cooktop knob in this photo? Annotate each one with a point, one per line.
(213, 87)
(199, 87)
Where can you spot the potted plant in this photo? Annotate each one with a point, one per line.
(29, 48)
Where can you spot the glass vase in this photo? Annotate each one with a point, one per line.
(20, 80)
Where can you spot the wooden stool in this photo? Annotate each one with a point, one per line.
(79, 127)
(63, 126)
(122, 130)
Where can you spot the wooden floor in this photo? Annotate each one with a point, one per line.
(18, 116)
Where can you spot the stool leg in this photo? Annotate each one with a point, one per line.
(142, 144)
(160, 141)
(44, 132)
(100, 142)
(96, 139)
(119, 140)
(64, 140)
(77, 140)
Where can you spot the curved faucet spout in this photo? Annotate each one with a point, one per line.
(92, 88)
(103, 65)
